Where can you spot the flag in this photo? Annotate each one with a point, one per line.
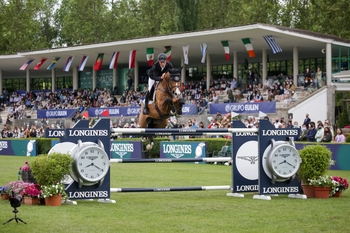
(185, 50)
(275, 48)
(25, 65)
(98, 62)
(132, 56)
(85, 114)
(53, 63)
(105, 113)
(83, 63)
(150, 56)
(168, 52)
(204, 48)
(68, 63)
(226, 48)
(37, 67)
(248, 45)
(114, 59)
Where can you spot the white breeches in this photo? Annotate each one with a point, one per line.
(150, 83)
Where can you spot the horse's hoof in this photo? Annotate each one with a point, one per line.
(152, 143)
(148, 147)
(143, 139)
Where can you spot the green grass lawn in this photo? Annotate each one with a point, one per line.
(195, 211)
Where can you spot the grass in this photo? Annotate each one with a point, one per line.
(195, 211)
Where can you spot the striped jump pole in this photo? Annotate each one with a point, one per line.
(169, 132)
(169, 160)
(170, 189)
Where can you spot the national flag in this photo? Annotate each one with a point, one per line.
(105, 113)
(248, 45)
(98, 62)
(132, 56)
(83, 63)
(226, 48)
(185, 50)
(37, 67)
(150, 56)
(204, 48)
(25, 65)
(168, 52)
(114, 60)
(275, 48)
(85, 114)
(68, 63)
(53, 63)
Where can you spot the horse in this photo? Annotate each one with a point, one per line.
(167, 102)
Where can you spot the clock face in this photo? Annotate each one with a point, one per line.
(284, 161)
(92, 163)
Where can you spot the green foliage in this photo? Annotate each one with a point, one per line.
(347, 139)
(315, 162)
(343, 119)
(50, 170)
(43, 145)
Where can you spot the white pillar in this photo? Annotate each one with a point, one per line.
(94, 79)
(235, 65)
(208, 70)
(75, 78)
(295, 65)
(136, 75)
(264, 66)
(329, 63)
(0, 81)
(53, 80)
(183, 71)
(28, 80)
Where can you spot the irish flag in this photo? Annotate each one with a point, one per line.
(226, 48)
(248, 45)
(168, 52)
(150, 56)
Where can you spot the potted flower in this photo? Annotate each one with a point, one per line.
(4, 194)
(322, 186)
(54, 194)
(25, 173)
(31, 194)
(341, 185)
(315, 162)
(49, 171)
(15, 188)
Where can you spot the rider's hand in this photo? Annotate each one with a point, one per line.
(162, 76)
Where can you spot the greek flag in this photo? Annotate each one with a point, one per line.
(275, 48)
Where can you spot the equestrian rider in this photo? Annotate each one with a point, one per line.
(156, 73)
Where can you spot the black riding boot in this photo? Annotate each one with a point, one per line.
(145, 108)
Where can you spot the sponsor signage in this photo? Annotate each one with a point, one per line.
(126, 150)
(56, 113)
(243, 108)
(18, 147)
(177, 150)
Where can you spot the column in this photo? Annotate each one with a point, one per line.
(27, 80)
(75, 78)
(208, 70)
(94, 79)
(235, 65)
(53, 80)
(329, 63)
(183, 71)
(295, 65)
(264, 66)
(1, 81)
(136, 75)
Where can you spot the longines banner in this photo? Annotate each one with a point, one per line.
(177, 150)
(18, 147)
(126, 150)
(245, 156)
(56, 113)
(187, 109)
(244, 108)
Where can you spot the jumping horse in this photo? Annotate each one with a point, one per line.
(167, 102)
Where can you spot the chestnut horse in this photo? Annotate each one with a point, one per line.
(167, 103)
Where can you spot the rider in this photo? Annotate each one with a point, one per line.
(156, 73)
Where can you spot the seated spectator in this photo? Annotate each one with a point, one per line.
(303, 133)
(311, 132)
(294, 97)
(340, 136)
(327, 136)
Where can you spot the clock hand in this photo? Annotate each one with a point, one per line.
(89, 165)
(284, 161)
(97, 167)
(290, 164)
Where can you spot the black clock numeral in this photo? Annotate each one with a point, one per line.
(290, 171)
(279, 151)
(86, 175)
(98, 152)
(275, 167)
(91, 176)
(284, 149)
(103, 163)
(98, 174)
(82, 157)
(284, 173)
(279, 171)
(92, 151)
(276, 155)
(102, 170)
(295, 160)
(82, 170)
(86, 153)
(80, 164)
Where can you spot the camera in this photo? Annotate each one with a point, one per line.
(15, 201)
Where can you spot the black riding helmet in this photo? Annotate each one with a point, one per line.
(162, 57)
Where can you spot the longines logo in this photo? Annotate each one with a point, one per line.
(3, 145)
(283, 132)
(251, 159)
(88, 194)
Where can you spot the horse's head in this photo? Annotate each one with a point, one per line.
(173, 82)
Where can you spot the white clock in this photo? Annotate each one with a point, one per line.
(281, 161)
(91, 163)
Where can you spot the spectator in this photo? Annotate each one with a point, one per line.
(303, 133)
(277, 123)
(327, 136)
(320, 132)
(307, 121)
(311, 133)
(340, 136)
